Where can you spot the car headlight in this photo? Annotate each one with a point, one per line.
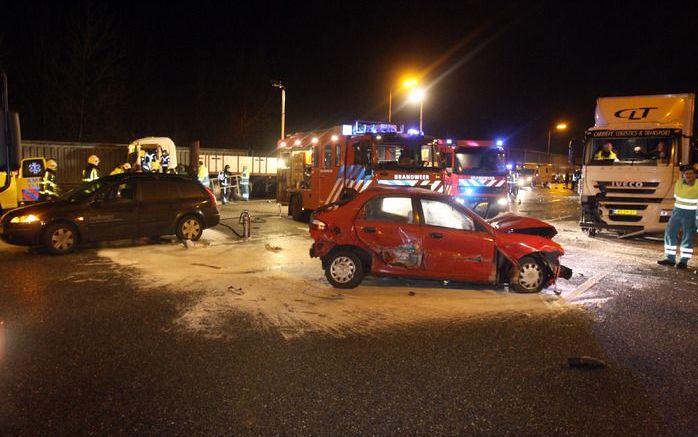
(502, 201)
(665, 213)
(25, 219)
(529, 179)
(521, 182)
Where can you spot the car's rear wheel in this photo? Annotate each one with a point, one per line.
(60, 238)
(344, 269)
(190, 228)
(532, 275)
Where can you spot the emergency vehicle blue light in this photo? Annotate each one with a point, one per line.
(500, 142)
(375, 127)
(509, 166)
(449, 141)
(413, 131)
(468, 192)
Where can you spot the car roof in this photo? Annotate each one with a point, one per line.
(403, 190)
(149, 177)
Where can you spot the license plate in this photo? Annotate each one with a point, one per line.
(625, 211)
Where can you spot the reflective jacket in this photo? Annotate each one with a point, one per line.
(686, 195)
(202, 175)
(90, 173)
(49, 187)
(600, 156)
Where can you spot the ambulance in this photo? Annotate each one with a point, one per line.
(475, 173)
(322, 167)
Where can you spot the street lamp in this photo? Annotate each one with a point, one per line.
(406, 84)
(558, 127)
(417, 96)
(282, 87)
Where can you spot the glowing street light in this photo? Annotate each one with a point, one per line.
(558, 127)
(417, 96)
(407, 84)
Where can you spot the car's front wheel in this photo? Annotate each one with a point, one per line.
(532, 275)
(190, 228)
(344, 269)
(60, 238)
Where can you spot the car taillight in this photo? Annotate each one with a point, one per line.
(211, 196)
(317, 225)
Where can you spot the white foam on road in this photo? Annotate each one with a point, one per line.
(285, 290)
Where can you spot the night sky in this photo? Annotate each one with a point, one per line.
(97, 71)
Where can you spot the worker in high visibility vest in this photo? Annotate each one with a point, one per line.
(682, 217)
(123, 168)
(165, 161)
(245, 184)
(91, 171)
(49, 187)
(202, 175)
(606, 153)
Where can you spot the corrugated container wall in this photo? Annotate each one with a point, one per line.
(72, 157)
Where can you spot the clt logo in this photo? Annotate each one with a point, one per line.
(634, 113)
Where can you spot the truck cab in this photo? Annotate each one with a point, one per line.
(318, 168)
(475, 173)
(631, 161)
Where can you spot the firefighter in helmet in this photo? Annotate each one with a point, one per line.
(49, 187)
(91, 171)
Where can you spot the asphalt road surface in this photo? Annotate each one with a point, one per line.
(136, 337)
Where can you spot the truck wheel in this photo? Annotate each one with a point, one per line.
(344, 269)
(590, 232)
(295, 207)
(60, 238)
(532, 275)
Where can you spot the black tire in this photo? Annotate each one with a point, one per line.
(532, 275)
(344, 269)
(590, 232)
(190, 228)
(295, 207)
(60, 238)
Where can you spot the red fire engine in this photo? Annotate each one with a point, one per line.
(475, 173)
(320, 167)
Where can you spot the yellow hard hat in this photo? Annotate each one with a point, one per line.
(51, 164)
(93, 159)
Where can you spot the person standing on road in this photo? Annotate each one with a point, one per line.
(91, 171)
(245, 184)
(202, 175)
(49, 187)
(682, 217)
(224, 178)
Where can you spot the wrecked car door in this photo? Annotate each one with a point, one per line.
(454, 247)
(388, 227)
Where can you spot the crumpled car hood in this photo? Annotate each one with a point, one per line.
(514, 224)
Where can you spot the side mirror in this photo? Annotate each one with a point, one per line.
(574, 147)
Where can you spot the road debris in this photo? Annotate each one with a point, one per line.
(585, 362)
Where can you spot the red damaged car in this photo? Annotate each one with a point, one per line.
(414, 233)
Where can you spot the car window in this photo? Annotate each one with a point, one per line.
(389, 209)
(437, 213)
(191, 190)
(327, 157)
(125, 192)
(158, 191)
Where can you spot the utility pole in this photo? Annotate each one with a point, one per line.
(282, 87)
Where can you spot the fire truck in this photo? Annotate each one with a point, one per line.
(321, 167)
(475, 173)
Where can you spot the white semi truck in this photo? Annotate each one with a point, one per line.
(631, 159)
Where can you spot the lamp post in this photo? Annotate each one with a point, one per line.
(417, 96)
(406, 84)
(558, 127)
(282, 87)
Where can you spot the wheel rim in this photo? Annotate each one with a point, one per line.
(530, 276)
(62, 239)
(190, 229)
(342, 269)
